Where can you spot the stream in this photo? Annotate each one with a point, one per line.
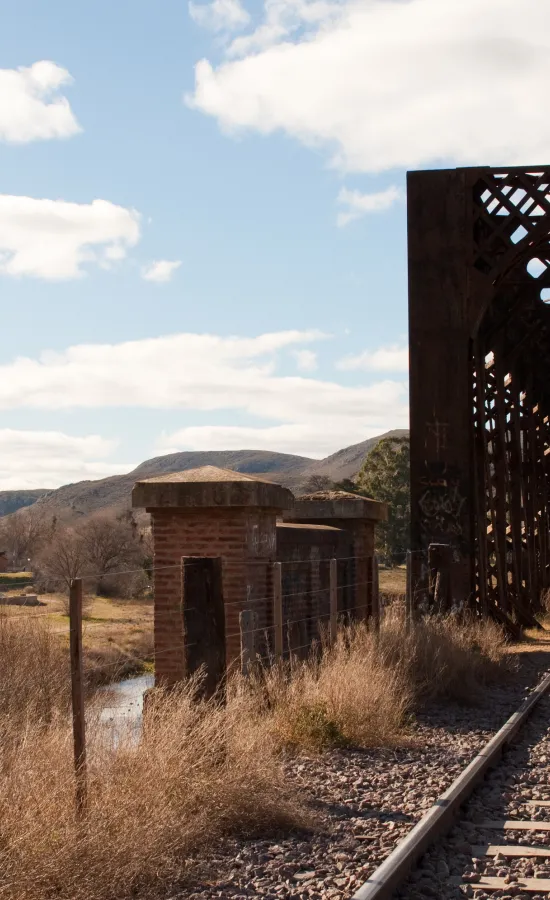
(124, 704)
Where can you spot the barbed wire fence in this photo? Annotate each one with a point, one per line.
(278, 625)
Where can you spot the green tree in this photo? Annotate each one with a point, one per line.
(384, 476)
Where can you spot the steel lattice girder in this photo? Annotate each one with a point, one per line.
(479, 331)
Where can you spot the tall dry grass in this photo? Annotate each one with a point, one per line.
(201, 770)
(364, 689)
(343, 695)
(447, 658)
(198, 773)
(34, 683)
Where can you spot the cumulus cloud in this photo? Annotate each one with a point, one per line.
(47, 459)
(384, 359)
(283, 18)
(315, 439)
(393, 84)
(31, 105)
(209, 373)
(306, 360)
(359, 204)
(53, 239)
(220, 15)
(161, 270)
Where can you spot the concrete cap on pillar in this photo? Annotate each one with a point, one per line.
(335, 505)
(209, 487)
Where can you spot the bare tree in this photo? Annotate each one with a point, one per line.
(101, 548)
(110, 543)
(25, 533)
(61, 561)
(316, 483)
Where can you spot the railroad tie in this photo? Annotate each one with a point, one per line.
(529, 885)
(509, 850)
(513, 825)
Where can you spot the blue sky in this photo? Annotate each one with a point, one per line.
(202, 214)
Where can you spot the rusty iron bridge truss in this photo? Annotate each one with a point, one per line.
(479, 330)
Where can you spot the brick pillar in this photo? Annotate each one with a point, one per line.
(356, 515)
(209, 512)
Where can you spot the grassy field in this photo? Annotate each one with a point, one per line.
(117, 634)
(16, 578)
(393, 581)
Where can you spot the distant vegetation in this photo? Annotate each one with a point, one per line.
(16, 579)
(97, 547)
(385, 476)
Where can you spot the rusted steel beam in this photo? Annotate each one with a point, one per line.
(480, 434)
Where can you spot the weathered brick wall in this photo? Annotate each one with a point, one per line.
(249, 541)
(305, 552)
(356, 574)
(245, 540)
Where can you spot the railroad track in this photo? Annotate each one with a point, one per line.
(490, 855)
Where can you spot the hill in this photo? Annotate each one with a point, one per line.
(86, 497)
(11, 501)
(347, 462)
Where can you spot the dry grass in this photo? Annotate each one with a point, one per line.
(345, 695)
(117, 634)
(444, 658)
(201, 770)
(34, 672)
(393, 581)
(363, 690)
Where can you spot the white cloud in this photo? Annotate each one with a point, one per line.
(209, 373)
(393, 84)
(306, 360)
(282, 18)
(53, 239)
(161, 270)
(385, 359)
(359, 205)
(31, 107)
(47, 459)
(314, 439)
(220, 15)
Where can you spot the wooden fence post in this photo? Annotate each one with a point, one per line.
(333, 589)
(248, 622)
(409, 597)
(375, 595)
(278, 609)
(77, 695)
(203, 614)
(439, 574)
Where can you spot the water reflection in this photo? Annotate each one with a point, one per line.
(124, 705)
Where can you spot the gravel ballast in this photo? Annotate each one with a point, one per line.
(365, 802)
(523, 775)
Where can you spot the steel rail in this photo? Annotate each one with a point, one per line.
(441, 816)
